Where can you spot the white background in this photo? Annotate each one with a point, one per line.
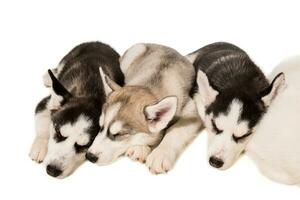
(34, 36)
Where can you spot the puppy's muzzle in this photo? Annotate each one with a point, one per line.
(216, 162)
(53, 170)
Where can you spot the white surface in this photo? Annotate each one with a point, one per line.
(35, 36)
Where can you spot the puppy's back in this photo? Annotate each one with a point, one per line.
(80, 68)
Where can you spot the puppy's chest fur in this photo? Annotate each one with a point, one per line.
(160, 69)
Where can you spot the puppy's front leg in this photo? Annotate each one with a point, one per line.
(42, 121)
(138, 153)
(178, 136)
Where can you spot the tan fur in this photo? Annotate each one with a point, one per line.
(133, 99)
(157, 85)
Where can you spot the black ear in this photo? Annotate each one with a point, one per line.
(58, 88)
(270, 92)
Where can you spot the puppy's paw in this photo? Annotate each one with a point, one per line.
(138, 153)
(161, 160)
(39, 149)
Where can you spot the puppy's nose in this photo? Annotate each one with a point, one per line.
(54, 171)
(91, 157)
(216, 162)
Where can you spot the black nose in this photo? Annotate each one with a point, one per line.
(53, 171)
(216, 162)
(91, 157)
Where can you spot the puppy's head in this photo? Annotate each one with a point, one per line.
(73, 129)
(131, 116)
(230, 118)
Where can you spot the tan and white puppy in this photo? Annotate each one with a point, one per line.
(152, 108)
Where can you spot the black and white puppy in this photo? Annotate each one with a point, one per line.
(232, 95)
(67, 121)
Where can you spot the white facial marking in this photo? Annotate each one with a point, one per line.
(222, 145)
(62, 154)
(229, 122)
(116, 127)
(108, 150)
(111, 113)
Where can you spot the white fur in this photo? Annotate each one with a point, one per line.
(134, 52)
(192, 57)
(138, 153)
(116, 127)
(208, 94)
(222, 146)
(163, 158)
(108, 151)
(40, 145)
(275, 146)
(55, 100)
(62, 154)
(107, 89)
(144, 68)
(46, 78)
(278, 83)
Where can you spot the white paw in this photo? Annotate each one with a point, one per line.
(161, 160)
(138, 153)
(39, 149)
(47, 80)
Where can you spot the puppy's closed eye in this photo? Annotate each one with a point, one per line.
(241, 138)
(215, 128)
(58, 136)
(119, 135)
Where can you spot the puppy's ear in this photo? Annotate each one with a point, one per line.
(270, 92)
(59, 94)
(206, 93)
(159, 115)
(109, 85)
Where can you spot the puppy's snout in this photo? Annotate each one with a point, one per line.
(53, 170)
(91, 157)
(216, 162)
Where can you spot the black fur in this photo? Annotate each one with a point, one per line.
(42, 105)
(234, 78)
(58, 88)
(79, 82)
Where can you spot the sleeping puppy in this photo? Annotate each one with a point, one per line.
(232, 96)
(67, 121)
(153, 108)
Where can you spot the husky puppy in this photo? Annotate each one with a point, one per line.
(275, 145)
(232, 96)
(67, 121)
(154, 101)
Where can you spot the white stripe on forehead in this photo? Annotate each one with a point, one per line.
(111, 112)
(230, 119)
(77, 130)
(116, 127)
